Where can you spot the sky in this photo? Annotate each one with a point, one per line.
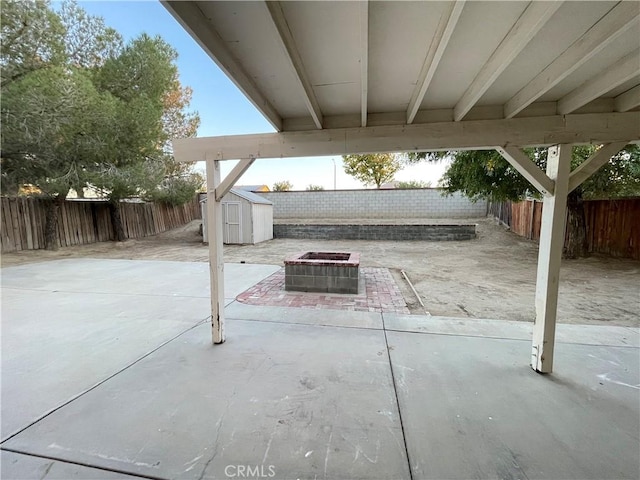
(224, 110)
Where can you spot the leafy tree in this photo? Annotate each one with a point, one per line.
(79, 108)
(314, 188)
(413, 184)
(138, 80)
(32, 38)
(50, 108)
(282, 186)
(487, 175)
(180, 181)
(372, 169)
(88, 42)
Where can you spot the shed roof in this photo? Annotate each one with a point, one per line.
(251, 197)
(248, 196)
(252, 188)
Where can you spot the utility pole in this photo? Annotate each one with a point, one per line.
(334, 172)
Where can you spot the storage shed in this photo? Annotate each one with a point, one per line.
(247, 218)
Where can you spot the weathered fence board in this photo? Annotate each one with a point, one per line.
(613, 226)
(22, 221)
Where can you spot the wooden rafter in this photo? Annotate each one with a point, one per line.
(526, 27)
(613, 76)
(443, 34)
(295, 60)
(189, 15)
(617, 21)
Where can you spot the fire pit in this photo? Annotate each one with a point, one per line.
(328, 272)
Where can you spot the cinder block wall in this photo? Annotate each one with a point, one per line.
(432, 233)
(397, 203)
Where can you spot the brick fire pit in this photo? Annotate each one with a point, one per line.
(327, 272)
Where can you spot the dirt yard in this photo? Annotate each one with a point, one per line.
(490, 277)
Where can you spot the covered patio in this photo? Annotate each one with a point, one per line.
(336, 78)
(107, 365)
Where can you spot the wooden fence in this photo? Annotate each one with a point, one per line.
(613, 226)
(85, 221)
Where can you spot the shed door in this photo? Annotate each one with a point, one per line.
(232, 222)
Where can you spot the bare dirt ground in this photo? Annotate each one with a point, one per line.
(490, 277)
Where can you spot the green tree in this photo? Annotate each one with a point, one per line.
(139, 79)
(79, 108)
(32, 38)
(413, 184)
(180, 182)
(372, 169)
(88, 41)
(50, 108)
(314, 188)
(282, 186)
(487, 175)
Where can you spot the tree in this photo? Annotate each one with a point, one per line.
(487, 175)
(314, 188)
(138, 79)
(32, 38)
(180, 181)
(372, 169)
(413, 184)
(79, 108)
(50, 108)
(282, 186)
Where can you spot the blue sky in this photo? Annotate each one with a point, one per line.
(223, 108)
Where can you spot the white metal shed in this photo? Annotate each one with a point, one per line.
(247, 218)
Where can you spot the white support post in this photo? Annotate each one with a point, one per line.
(216, 261)
(549, 258)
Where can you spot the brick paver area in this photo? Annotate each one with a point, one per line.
(381, 294)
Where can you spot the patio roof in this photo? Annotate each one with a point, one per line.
(340, 65)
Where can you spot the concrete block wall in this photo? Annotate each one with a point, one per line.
(432, 233)
(396, 203)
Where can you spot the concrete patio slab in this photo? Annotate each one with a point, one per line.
(471, 409)
(335, 318)
(56, 344)
(132, 277)
(477, 327)
(293, 391)
(16, 466)
(309, 401)
(474, 327)
(67, 325)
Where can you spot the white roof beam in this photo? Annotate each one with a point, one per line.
(627, 100)
(295, 60)
(527, 168)
(471, 134)
(364, 60)
(593, 163)
(620, 72)
(439, 43)
(193, 20)
(526, 27)
(618, 20)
